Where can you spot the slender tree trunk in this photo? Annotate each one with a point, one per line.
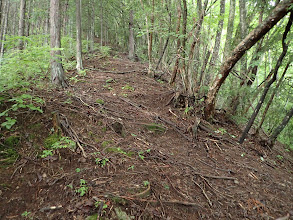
(150, 40)
(131, 36)
(101, 23)
(5, 24)
(176, 66)
(277, 14)
(280, 128)
(57, 72)
(79, 65)
(275, 72)
(215, 54)
(271, 99)
(201, 14)
(230, 28)
(21, 22)
(1, 11)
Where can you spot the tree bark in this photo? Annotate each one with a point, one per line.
(131, 37)
(280, 128)
(57, 71)
(277, 14)
(79, 65)
(21, 23)
(267, 87)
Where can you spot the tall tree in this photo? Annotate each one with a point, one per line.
(217, 44)
(79, 65)
(21, 22)
(131, 36)
(267, 87)
(57, 71)
(252, 38)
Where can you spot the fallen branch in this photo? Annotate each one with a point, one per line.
(174, 202)
(174, 127)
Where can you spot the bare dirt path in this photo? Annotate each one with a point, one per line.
(137, 158)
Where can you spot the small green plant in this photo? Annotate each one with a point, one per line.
(131, 167)
(98, 203)
(70, 186)
(68, 101)
(188, 109)
(77, 170)
(146, 183)
(102, 161)
(110, 80)
(141, 154)
(107, 86)
(24, 101)
(222, 131)
(46, 153)
(100, 101)
(125, 95)
(280, 157)
(160, 81)
(26, 214)
(83, 188)
(63, 142)
(128, 87)
(8, 123)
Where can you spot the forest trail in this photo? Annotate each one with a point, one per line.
(137, 157)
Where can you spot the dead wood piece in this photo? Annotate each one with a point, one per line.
(208, 176)
(174, 127)
(174, 202)
(69, 130)
(50, 208)
(113, 72)
(143, 193)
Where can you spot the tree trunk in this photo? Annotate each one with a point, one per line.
(6, 8)
(101, 23)
(131, 37)
(79, 65)
(230, 28)
(176, 66)
(57, 72)
(215, 55)
(280, 128)
(275, 72)
(271, 100)
(277, 14)
(21, 23)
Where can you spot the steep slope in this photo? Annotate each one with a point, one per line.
(136, 156)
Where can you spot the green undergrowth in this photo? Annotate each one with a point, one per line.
(8, 150)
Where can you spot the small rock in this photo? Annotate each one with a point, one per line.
(236, 181)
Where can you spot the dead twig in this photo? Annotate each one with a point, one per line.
(203, 192)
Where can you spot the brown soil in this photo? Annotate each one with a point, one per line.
(209, 176)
